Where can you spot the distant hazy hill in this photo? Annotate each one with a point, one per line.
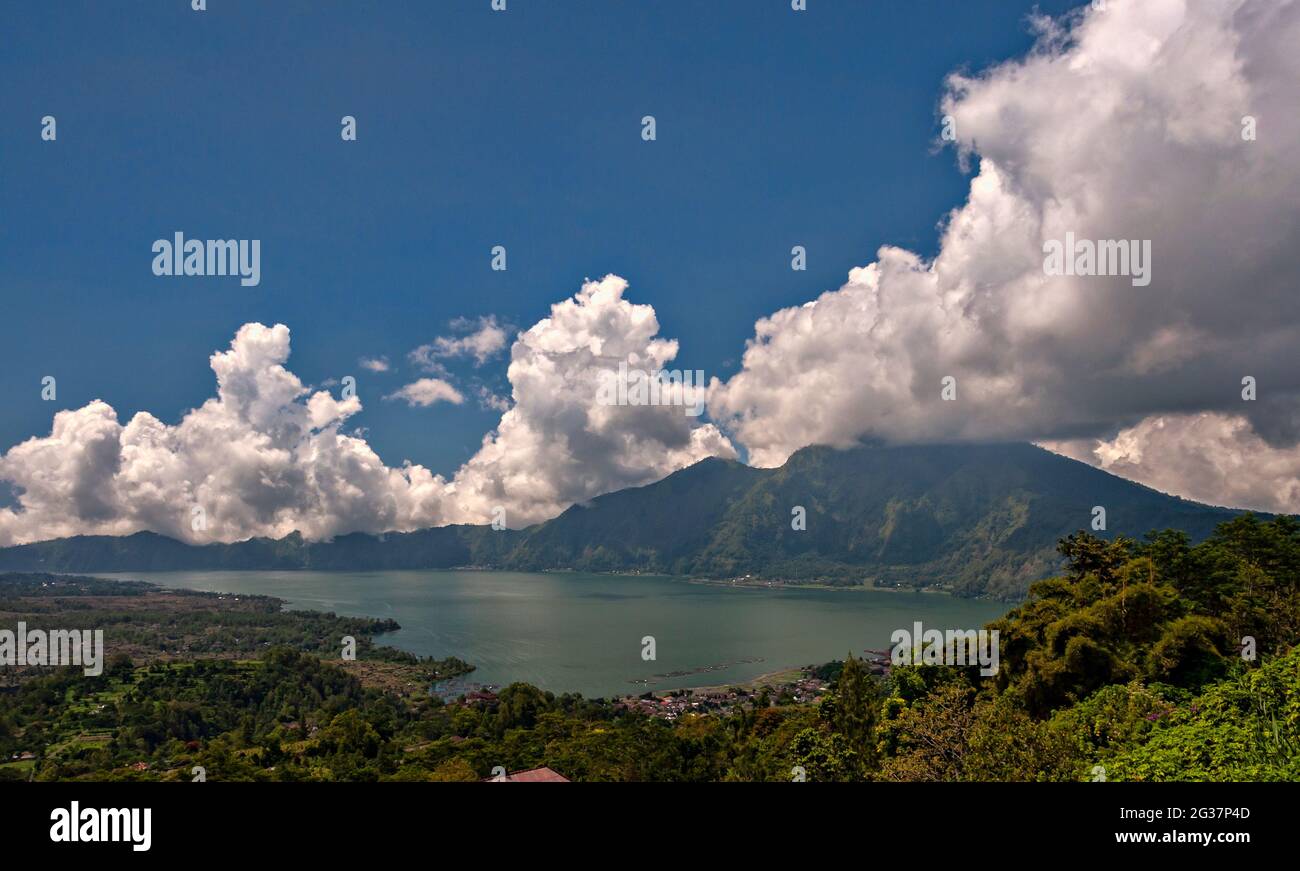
(982, 518)
(443, 547)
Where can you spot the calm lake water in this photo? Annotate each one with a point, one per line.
(582, 633)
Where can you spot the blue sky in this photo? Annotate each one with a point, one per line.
(476, 128)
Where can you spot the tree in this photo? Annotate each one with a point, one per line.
(824, 756)
(855, 711)
(1087, 554)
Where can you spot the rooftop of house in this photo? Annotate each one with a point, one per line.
(532, 775)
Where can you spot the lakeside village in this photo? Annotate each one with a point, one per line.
(800, 686)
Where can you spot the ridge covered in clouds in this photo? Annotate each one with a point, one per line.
(267, 456)
(1124, 123)
(1210, 457)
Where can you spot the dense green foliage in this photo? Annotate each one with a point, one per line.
(1127, 667)
(972, 518)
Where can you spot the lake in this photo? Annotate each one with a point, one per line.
(572, 632)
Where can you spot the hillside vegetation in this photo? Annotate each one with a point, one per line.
(1128, 666)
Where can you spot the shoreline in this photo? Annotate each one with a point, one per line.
(768, 679)
(758, 584)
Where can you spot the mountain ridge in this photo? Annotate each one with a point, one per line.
(975, 519)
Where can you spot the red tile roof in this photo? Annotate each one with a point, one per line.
(532, 775)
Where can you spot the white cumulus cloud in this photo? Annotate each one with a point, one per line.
(427, 391)
(485, 339)
(558, 444)
(264, 457)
